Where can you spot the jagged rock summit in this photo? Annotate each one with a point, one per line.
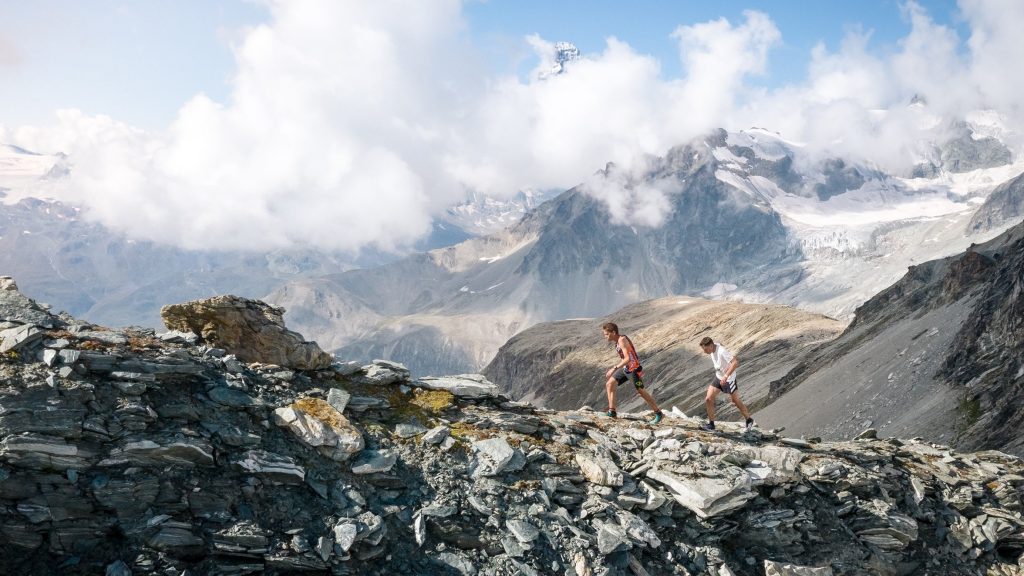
(250, 329)
(127, 452)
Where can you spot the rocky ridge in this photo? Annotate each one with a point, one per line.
(130, 452)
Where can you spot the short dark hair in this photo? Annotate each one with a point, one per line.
(707, 341)
(611, 327)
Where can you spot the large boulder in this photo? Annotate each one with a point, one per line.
(251, 330)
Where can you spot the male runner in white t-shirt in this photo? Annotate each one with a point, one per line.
(725, 381)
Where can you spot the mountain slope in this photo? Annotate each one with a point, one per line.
(562, 364)
(940, 353)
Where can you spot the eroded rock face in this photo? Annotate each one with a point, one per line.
(250, 329)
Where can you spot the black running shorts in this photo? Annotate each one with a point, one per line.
(636, 377)
(729, 388)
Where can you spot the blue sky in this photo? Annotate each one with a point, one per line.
(140, 61)
(283, 118)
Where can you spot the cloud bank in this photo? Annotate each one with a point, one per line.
(350, 124)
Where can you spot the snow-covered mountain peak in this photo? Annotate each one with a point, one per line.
(564, 52)
(21, 170)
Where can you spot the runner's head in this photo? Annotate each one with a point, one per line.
(611, 330)
(707, 345)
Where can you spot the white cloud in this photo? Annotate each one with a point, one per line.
(350, 123)
(630, 201)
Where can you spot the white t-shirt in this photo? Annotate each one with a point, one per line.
(721, 358)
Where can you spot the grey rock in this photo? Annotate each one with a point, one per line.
(273, 467)
(458, 563)
(39, 452)
(612, 538)
(783, 569)
(178, 337)
(17, 308)
(598, 469)
(323, 428)
(462, 385)
(364, 403)
(14, 339)
(706, 497)
(373, 461)
(346, 368)
(379, 374)
(149, 453)
(436, 435)
(103, 336)
(409, 430)
(491, 457)
(231, 397)
(523, 530)
(338, 399)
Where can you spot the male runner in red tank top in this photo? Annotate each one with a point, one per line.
(628, 368)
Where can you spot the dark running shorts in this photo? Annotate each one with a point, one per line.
(636, 377)
(729, 388)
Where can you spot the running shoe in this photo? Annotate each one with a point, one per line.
(611, 413)
(707, 426)
(750, 424)
(657, 418)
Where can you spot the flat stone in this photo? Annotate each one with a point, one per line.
(178, 337)
(409, 430)
(523, 531)
(782, 569)
(149, 453)
(231, 397)
(706, 497)
(346, 368)
(492, 456)
(436, 435)
(273, 467)
(14, 339)
(458, 563)
(637, 529)
(373, 461)
(381, 374)
(461, 385)
(39, 452)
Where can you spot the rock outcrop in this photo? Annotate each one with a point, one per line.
(251, 330)
(124, 453)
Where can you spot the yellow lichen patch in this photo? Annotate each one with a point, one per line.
(466, 432)
(433, 400)
(322, 411)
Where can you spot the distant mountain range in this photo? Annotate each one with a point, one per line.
(87, 269)
(750, 216)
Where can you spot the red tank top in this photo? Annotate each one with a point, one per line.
(634, 361)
